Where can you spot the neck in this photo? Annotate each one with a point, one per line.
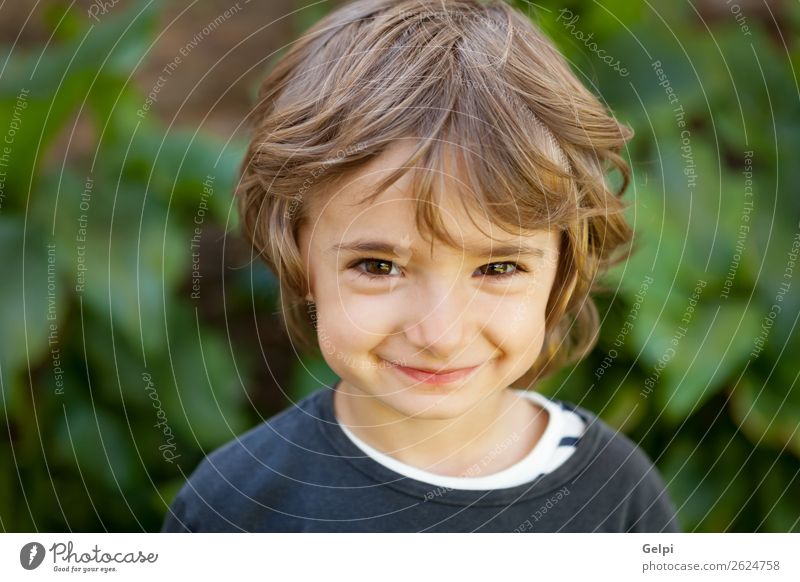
(494, 434)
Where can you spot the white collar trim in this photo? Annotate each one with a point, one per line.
(531, 466)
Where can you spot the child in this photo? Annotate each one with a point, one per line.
(427, 181)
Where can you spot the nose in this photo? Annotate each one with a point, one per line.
(439, 321)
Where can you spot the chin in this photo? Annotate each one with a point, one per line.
(429, 406)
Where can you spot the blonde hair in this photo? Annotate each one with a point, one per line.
(475, 83)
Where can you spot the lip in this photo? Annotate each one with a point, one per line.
(433, 377)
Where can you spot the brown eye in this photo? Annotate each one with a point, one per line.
(378, 267)
(374, 268)
(504, 269)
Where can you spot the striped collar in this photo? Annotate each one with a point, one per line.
(555, 446)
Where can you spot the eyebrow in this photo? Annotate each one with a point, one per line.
(387, 248)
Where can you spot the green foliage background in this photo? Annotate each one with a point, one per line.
(80, 449)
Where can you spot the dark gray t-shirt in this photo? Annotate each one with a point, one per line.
(300, 472)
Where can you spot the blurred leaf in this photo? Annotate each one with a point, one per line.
(310, 374)
(712, 350)
(166, 493)
(777, 501)
(31, 120)
(9, 488)
(683, 471)
(41, 91)
(199, 383)
(31, 293)
(624, 408)
(612, 15)
(131, 256)
(766, 416)
(709, 489)
(89, 438)
(63, 22)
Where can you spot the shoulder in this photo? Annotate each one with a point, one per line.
(235, 474)
(616, 467)
(280, 435)
(609, 445)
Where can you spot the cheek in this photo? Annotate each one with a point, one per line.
(353, 323)
(518, 323)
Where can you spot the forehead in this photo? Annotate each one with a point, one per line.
(345, 215)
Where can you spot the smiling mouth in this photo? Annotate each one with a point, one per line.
(436, 377)
(430, 371)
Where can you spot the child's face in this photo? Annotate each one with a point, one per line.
(455, 309)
